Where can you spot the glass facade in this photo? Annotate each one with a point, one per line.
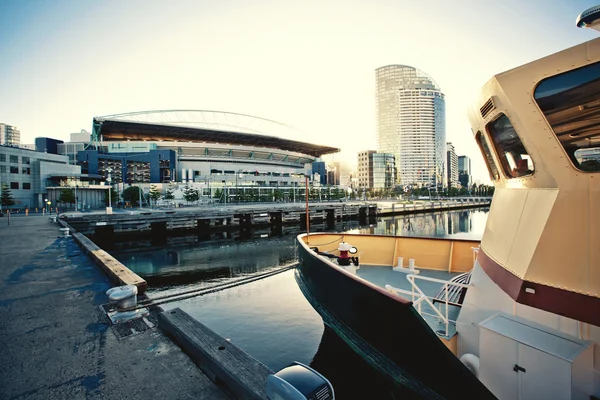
(384, 170)
(411, 124)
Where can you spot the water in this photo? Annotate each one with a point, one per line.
(269, 318)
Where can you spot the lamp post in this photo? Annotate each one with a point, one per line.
(109, 180)
(237, 191)
(75, 194)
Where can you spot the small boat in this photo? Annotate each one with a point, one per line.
(516, 315)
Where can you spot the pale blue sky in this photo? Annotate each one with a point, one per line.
(308, 64)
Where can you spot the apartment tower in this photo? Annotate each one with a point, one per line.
(411, 124)
(452, 165)
(9, 135)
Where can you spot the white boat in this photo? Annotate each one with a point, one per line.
(516, 316)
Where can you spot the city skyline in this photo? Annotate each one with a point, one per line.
(309, 65)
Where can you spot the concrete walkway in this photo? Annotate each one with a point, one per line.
(56, 343)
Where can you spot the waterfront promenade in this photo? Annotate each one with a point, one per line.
(56, 343)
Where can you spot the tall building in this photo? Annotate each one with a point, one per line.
(411, 124)
(376, 170)
(365, 167)
(464, 171)
(333, 173)
(383, 171)
(9, 135)
(452, 165)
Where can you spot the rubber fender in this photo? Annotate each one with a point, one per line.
(471, 361)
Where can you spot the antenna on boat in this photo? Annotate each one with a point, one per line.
(590, 18)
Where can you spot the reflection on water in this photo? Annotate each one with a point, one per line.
(270, 319)
(465, 224)
(351, 376)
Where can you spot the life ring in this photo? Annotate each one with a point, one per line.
(471, 361)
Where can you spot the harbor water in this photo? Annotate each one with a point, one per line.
(269, 318)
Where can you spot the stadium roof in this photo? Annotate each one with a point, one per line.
(203, 126)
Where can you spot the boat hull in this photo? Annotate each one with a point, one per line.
(384, 329)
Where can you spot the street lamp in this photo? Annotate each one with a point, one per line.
(75, 193)
(109, 180)
(237, 191)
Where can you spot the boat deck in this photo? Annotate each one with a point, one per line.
(381, 276)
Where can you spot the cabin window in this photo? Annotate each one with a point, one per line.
(487, 156)
(571, 104)
(511, 152)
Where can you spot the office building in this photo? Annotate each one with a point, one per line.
(365, 167)
(464, 171)
(411, 124)
(333, 173)
(37, 179)
(376, 170)
(383, 171)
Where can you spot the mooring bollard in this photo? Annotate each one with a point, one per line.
(125, 296)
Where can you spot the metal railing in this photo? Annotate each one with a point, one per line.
(422, 297)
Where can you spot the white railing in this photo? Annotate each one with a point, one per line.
(422, 297)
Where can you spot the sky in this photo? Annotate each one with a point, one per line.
(307, 64)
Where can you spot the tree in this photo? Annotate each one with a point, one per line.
(132, 195)
(6, 199)
(154, 193)
(169, 193)
(67, 196)
(190, 194)
(218, 194)
(277, 195)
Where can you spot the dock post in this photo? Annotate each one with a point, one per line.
(104, 235)
(159, 233)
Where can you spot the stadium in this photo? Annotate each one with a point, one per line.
(210, 150)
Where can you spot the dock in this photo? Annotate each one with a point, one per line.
(158, 224)
(57, 343)
(240, 374)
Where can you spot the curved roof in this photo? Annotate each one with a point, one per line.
(204, 126)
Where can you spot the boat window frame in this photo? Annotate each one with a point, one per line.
(488, 158)
(569, 91)
(512, 168)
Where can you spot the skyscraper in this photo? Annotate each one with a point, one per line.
(464, 171)
(452, 165)
(411, 124)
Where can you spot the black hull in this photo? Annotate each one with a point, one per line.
(387, 332)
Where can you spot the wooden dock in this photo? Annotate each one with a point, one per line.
(222, 361)
(104, 229)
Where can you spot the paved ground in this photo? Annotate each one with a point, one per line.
(56, 343)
